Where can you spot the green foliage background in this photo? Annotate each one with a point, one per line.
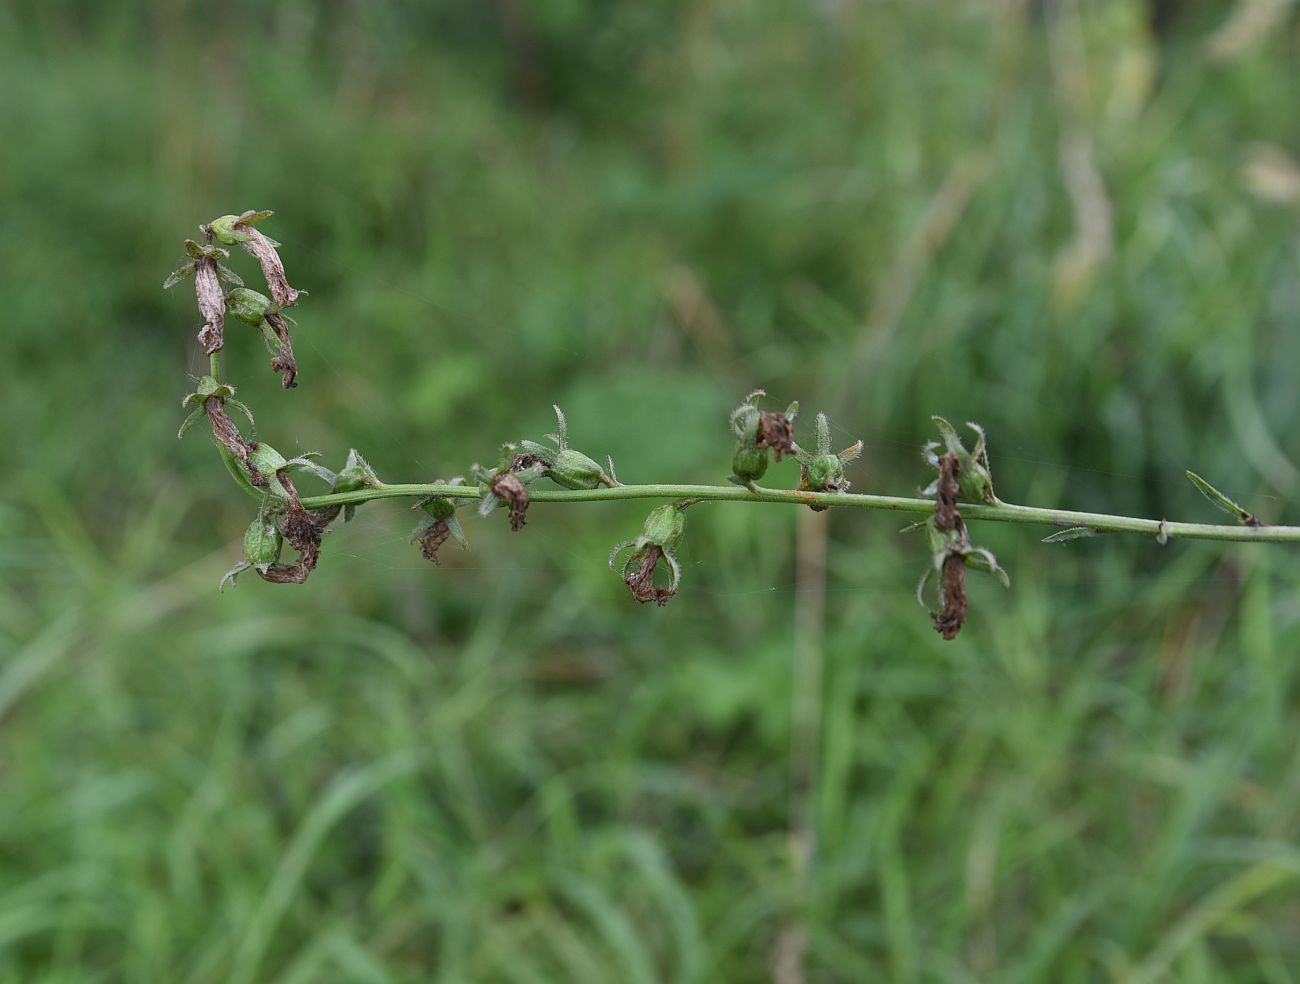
(503, 769)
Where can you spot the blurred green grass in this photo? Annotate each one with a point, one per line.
(502, 769)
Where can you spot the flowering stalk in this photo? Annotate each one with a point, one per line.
(961, 490)
(1067, 520)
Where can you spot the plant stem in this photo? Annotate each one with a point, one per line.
(1003, 513)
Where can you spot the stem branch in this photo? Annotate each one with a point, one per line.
(1004, 513)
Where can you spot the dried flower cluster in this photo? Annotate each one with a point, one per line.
(962, 477)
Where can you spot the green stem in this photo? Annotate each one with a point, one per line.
(1003, 513)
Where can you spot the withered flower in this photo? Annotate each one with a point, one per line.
(282, 519)
(508, 483)
(947, 519)
(976, 481)
(209, 273)
(209, 399)
(776, 431)
(438, 524)
(303, 530)
(659, 539)
(258, 311)
(283, 361)
(951, 551)
(949, 620)
(756, 432)
(238, 230)
(430, 537)
(509, 489)
(946, 516)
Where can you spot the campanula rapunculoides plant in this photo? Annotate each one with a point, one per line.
(961, 488)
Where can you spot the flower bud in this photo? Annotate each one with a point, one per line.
(262, 543)
(249, 306)
(659, 539)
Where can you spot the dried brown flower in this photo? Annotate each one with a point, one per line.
(509, 489)
(283, 361)
(640, 581)
(775, 431)
(524, 460)
(949, 621)
(303, 530)
(946, 516)
(212, 304)
(431, 538)
(264, 251)
(228, 435)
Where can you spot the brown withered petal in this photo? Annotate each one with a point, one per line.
(776, 432)
(523, 461)
(212, 305)
(946, 516)
(949, 621)
(285, 573)
(303, 530)
(513, 493)
(227, 434)
(283, 362)
(641, 582)
(431, 538)
(272, 268)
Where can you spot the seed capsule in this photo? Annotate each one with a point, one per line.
(574, 470)
(266, 459)
(824, 473)
(248, 305)
(224, 230)
(440, 508)
(665, 527)
(757, 432)
(262, 543)
(749, 464)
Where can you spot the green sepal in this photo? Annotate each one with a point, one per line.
(1220, 500)
(1073, 533)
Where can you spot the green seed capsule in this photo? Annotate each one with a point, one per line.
(224, 229)
(262, 543)
(267, 460)
(748, 463)
(825, 473)
(665, 527)
(574, 470)
(350, 479)
(249, 306)
(439, 507)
